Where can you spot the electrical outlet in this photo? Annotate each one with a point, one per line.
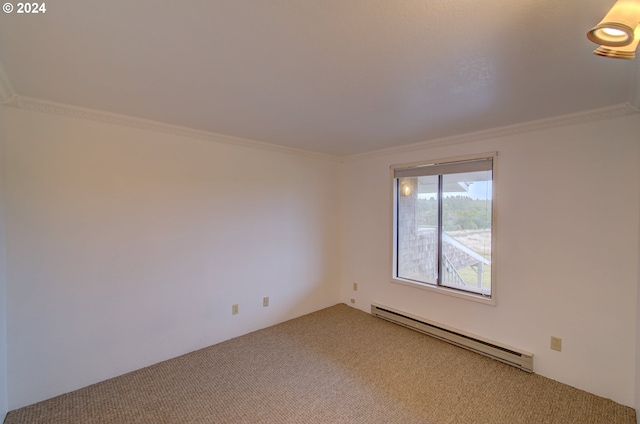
(265, 302)
(556, 343)
(353, 300)
(355, 286)
(234, 309)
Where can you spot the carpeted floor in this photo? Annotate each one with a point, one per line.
(337, 365)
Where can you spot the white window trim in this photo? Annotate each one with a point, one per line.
(494, 231)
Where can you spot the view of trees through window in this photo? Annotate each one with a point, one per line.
(461, 212)
(444, 228)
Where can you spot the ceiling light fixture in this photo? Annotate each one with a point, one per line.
(625, 52)
(618, 33)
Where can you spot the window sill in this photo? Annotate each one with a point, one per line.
(447, 291)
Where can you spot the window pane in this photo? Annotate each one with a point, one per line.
(417, 225)
(466, 238)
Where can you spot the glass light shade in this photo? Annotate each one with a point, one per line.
(610, 34)
(624, 52)
(617, 28)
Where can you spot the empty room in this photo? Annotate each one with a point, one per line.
(380, 211)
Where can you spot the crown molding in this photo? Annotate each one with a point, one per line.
(6, 90)
(538, 125)
(37, 105)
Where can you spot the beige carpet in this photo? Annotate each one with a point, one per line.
(337, 365)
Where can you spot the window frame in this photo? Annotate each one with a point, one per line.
(468, 295)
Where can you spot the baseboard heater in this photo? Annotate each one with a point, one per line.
(508, 355)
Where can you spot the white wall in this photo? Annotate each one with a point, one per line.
(127, 247)
(567, 250)
(638, 328)
(3, 281)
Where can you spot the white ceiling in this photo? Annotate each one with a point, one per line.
(333, 76)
